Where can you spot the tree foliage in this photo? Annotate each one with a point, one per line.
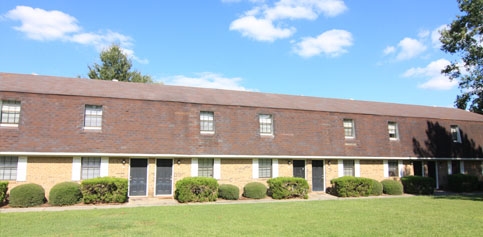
(464, 36)
(116, 65)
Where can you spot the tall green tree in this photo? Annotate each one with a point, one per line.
(116, 65)
(464, 37)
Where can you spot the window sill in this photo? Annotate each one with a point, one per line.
(8, 125)
(207, 132)
(267, 135)
(393, 139)
(92, 129)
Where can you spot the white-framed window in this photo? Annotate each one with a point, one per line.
(349, 131)
(205, 167)
(392, 168)
(266, 124)
(393, 130)
(349, 167)
(207, 121)
(10, 113)
(90, 167)
(8, 167)
(93, 117)
(455, 133)
(265, 168)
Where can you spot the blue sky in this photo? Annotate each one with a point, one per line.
(384, 51)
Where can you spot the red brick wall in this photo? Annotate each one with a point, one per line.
(52, 123)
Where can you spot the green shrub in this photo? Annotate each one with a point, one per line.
(392, 187)
(418, 185)
(66, 193)
(104, 190)
(255, 190)
(349, 186)
(3, 191)
(462, 183)
(288, 187)
(229, 192)
(196, 189)
(27, 195)
(376, 188)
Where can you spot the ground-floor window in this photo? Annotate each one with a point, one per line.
(90, 167)
(265, 168)
(392, 168)
(8, 167)
(349, 169)
(205, 167)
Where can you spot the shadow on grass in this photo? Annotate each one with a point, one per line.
(478, 196)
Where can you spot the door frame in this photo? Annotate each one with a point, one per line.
(129, 177)
(156, 175)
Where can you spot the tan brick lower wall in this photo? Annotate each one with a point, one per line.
(48, 171)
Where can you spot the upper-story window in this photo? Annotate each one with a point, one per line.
(393, 130)
(207, 121)
(455, 133)
(10, 113)
(266, 124)
(93, 117)
(349, 131)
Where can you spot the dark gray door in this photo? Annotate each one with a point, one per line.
(138, 176)
(299, 168)
(164, 172)
(318, 175)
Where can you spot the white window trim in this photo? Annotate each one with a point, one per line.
(458, 133)
(450, 167)
(104, 169)
(462, 167)
(255, 168)
(194, 167)
(274, 168)
(340, 167)
(396, 130)
(386, 168)
(400, 167)
(22, 168)
(271, 125)
(85, 115)
(357, 168)
(216, 168)
(76, 168)
(12, 125)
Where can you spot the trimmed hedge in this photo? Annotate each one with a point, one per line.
(288, 187)
(196, 189)
(66, 193)
(104, 190)
(228, 192)
(3, 191)
(255, 190)
(462, 183)
(27, 195)
(349, 186)
(377, 188)
(392, 187)
(418, 185)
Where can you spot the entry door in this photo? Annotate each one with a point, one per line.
(318, 175)
(432, 171)
(299, 168)
(138, 177)
(164, 173)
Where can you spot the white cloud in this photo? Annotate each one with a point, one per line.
(260, 29)
(389, 50)
(409, 48)
(435, 35)
(43, 25)
(432, 73)
(39, 24)
(266, 23)
(206, 80)
(332, 43)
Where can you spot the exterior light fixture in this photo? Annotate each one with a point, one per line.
(329, 162)
(289, 162)
(123, 161)
(179, 162)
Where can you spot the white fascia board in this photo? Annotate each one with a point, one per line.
(146, 155)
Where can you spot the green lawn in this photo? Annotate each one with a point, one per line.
(402, 216)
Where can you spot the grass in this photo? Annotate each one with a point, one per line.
(408, 216)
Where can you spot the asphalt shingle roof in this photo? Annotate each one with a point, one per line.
(157, 92)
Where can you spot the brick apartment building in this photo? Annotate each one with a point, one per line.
(66, 129)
